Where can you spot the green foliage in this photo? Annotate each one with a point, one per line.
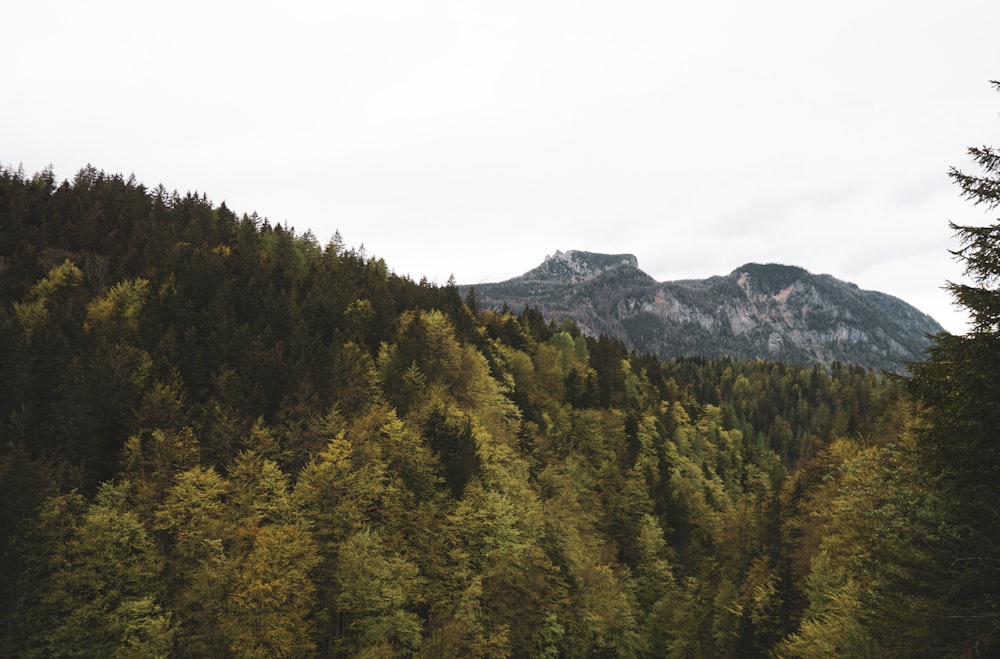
(378, 590)
(957, 390)
(119, 309)
(97, 593)
(866, 584)
(218, 439)
(268, 609)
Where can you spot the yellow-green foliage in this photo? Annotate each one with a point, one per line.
(119, 308)
(47, 293)
(224, 441)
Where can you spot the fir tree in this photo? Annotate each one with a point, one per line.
(958, 388)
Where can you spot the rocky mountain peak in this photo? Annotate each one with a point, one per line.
(759, 311)
(576, 266)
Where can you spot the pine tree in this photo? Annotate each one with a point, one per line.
(958, 389)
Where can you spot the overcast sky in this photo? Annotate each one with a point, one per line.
(475, 138)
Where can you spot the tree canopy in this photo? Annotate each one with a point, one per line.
(219, 437)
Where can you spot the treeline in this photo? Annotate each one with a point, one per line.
(219, 437)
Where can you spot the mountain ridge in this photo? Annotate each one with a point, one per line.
(757, 311)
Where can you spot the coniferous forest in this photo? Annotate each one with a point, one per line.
(220, 437)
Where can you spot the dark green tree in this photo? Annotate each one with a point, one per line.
(958, 389)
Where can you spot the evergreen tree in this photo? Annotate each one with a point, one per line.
(958, 389)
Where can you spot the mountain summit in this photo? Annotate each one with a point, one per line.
(576, 267)
(766, 311)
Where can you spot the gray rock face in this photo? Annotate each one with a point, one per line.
(758, 311)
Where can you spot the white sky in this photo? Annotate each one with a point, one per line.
(475, 138)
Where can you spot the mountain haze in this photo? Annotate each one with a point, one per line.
(765, 311)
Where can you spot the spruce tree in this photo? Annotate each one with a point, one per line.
(958, 391)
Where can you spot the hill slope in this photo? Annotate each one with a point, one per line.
(771, 311)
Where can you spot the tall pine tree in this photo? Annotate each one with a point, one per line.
(958, 389)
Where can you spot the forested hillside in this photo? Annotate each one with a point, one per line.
(222, 438)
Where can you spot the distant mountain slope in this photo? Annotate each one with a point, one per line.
(768, 311)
